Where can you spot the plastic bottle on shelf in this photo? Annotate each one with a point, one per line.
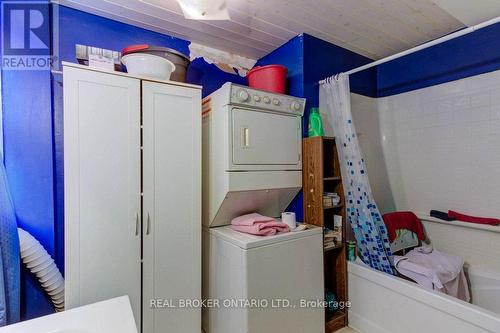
(315, 124)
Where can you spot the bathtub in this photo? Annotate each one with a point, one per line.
(485, 289)
(381, 303)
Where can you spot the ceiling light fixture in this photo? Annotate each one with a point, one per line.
(204, 9)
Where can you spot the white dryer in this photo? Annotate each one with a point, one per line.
(252, 153)
(252, 162)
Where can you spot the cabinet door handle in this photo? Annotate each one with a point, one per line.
(137, 224)
(148, 227)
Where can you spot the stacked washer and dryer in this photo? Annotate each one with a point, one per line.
(252, 162)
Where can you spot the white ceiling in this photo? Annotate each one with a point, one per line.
(374, 28)
(471, 12)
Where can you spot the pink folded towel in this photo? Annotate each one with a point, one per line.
(259, 225)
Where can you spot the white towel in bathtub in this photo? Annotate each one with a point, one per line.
(435, 270)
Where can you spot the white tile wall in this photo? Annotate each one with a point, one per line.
(366, 120)
(440, 147)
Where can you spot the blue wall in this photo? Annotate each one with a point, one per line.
(32, 106)
(27, 127)
(28, 144)
(310, 59)
(33, 131)
(291, 55)
(210, 76)
(77, 27)
(322, 59)
(472, 54)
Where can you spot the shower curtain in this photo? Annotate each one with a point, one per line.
(362, 212)
(9, 255)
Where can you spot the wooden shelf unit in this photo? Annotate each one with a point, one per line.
(335, 247)
(336, 178)
(333, 207)
(321, 173)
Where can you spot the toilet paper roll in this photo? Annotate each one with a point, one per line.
(289, 219)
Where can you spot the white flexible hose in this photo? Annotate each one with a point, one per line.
(40, 263)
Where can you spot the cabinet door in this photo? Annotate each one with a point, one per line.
(171, 206)
(102, 188)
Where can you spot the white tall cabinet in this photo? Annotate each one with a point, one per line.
(132, 173)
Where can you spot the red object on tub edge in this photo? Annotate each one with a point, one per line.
(270, 78)
(473, 219)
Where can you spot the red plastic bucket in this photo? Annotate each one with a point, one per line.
(270, 78)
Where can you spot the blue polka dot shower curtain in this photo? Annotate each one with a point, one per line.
(362, 212)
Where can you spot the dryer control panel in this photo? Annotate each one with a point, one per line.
(254, 98)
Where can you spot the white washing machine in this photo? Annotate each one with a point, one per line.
(263, 284)
(252, 162)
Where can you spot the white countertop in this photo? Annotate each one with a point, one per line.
(111, 316)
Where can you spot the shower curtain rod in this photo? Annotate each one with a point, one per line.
(456, 34)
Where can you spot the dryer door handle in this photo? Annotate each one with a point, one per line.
(245, 137)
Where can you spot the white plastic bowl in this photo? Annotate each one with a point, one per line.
(143, 64)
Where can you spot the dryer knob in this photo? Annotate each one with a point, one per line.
(296, 106)
(243, 95)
